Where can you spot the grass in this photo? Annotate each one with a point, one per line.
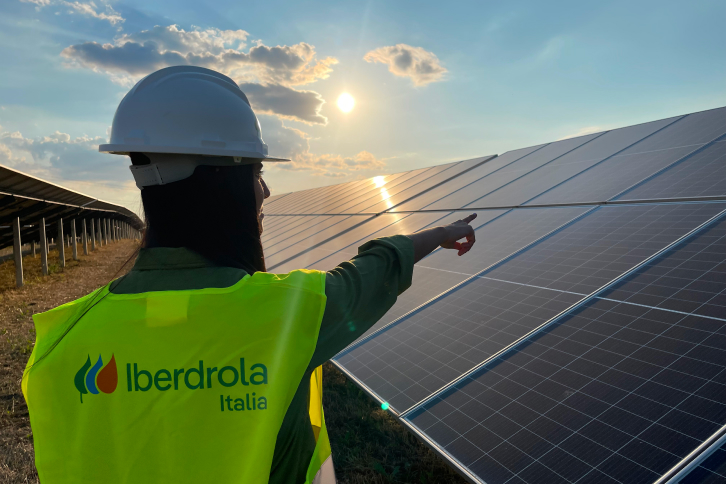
(369, 445)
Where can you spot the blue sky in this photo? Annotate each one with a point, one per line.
(433, 82)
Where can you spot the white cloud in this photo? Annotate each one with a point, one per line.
(90, 9)
(419, 65)
(214, 41)
(84, 8)
(39, 3)
(141, 53)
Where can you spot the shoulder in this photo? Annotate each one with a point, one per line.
(303, 279)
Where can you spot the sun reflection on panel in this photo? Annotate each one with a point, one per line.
(379, 181)
(385, 197)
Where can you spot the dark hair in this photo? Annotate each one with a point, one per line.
(213, 213)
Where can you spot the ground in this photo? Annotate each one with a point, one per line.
(369, 445)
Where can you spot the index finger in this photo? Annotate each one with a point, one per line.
(469, 218)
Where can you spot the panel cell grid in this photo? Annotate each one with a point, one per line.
(601, 246)
(602, 396)
(497, 237)
(401, 196)
(700, 175)
(691, 278)
(509, 173)
(502, 236)
(415, 357)
(611, 177)
(568, 165)
(458, 183)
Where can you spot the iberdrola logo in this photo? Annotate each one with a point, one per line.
(92, 380)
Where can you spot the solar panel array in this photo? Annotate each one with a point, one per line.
(583, 339)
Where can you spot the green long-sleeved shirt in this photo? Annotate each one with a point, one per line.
(359, 292)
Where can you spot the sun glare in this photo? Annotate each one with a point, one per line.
(346, 102)
(379, 181)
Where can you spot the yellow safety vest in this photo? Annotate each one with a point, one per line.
(175, 386)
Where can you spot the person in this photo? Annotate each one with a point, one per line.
(198, 365)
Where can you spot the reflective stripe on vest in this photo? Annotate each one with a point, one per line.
(173, 386)
(321, 469)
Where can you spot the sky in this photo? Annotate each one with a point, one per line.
(432, 82)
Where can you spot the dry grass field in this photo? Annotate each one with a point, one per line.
(369, 446)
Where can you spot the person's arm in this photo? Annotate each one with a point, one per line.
(446, 236)
(360, 291)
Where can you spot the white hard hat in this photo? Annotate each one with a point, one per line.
(185, 110)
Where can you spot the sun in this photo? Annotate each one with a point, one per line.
(346, 102)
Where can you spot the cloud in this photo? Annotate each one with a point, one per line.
(285, 102)
(143, 52)
(84, 8)
(58, 155)
(295, 144)
(172, 38)
(421, 66)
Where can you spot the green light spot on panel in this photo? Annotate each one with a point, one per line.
(384, 405)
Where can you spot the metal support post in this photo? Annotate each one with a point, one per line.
(74, 239)
(18, 252)
(85, 238)
(32, 248)
(93, 235)
(43, 248)
(61, 245)
(105, 231)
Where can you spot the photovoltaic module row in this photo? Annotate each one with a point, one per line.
(583, 339)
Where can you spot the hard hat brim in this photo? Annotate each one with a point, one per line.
(125, 149)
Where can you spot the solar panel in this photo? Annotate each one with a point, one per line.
(699, 175)
(481, 171)
(509, 173)
(413, 358)
(373, 192)
(690, 279)
(603, 245)
(565, 402)
(315, 235)
(380, 226)
(383, 193)
(610, 178)
(446, 338)
(568, 165)
(599, 397)
(391, 202)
